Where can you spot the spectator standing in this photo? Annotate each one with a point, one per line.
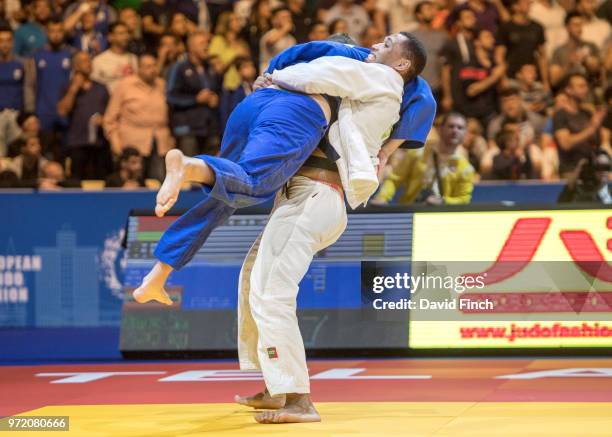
(378, 18)
(169, 52)
(572, 56)
(105, 14)
(276, 39)
(433, 40)
(84, 104)
(31, 36)
(17, 78)
(156, 16)
(355, 16)
(595, 30)
(115, 63)
(137, 116)
(85, 37)
(131, 19)
(228, 45)
(257, 25)
(489, 14)
(576, 127)
(434, 175)
(302, 19)
(551, 15)
(522, 41)
(193, 96)
(400, 13)
(130, 171)
(52, 77)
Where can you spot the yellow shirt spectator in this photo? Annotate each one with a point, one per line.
(417, 171)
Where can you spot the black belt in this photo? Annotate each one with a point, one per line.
(322, 163)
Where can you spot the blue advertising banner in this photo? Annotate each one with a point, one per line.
(61, 256)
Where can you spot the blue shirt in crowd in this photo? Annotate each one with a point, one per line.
(12, 75)
(418, 108)
(52, 76)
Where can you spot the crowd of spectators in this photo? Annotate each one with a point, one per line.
(91, 89)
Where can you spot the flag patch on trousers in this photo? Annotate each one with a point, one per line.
(272, 354)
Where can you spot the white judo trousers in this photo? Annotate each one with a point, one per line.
(308, 216)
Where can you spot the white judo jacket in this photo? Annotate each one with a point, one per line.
(371, 97)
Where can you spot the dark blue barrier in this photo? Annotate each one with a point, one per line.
(521, 192)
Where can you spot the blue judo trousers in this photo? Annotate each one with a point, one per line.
(268, 137)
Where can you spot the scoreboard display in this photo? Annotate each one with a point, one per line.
(549, 277)
(203, 318)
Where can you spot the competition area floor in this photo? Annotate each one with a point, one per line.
(392, 397)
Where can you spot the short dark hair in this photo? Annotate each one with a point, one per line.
(419, 6)
(5, 27)
(509, 92)
(115, 25)
(571, 15)
(503, 136)
(415, 51)
(242, 60)
(342, 38)
(129, 152)
(23, 116)
(55, 22)
(280, 9)
(568, 79)
(452, 114)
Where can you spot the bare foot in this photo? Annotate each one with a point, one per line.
(261, 400)
(152, 287)
(298, 409)
(175, 174)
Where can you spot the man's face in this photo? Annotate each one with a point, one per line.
(120, 36)
(82, 63)
(467, 20)
(168, 43)
(147, 69)
(32, 147)
(512, 106)
(198, 46)
(587, 7)
(6, 43)
(578, 88)
(88, 21)
(427, 13)
(129, 17)
(574, 28)
(133, 166)
(247, 71)
(55, 34)
(42, 11)
(281, 19)
(318, 33)
(31, 125)
(54, 171)
(528, 74)
(522, 7)
(486, 40)
(390, 53)
(452, 132)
